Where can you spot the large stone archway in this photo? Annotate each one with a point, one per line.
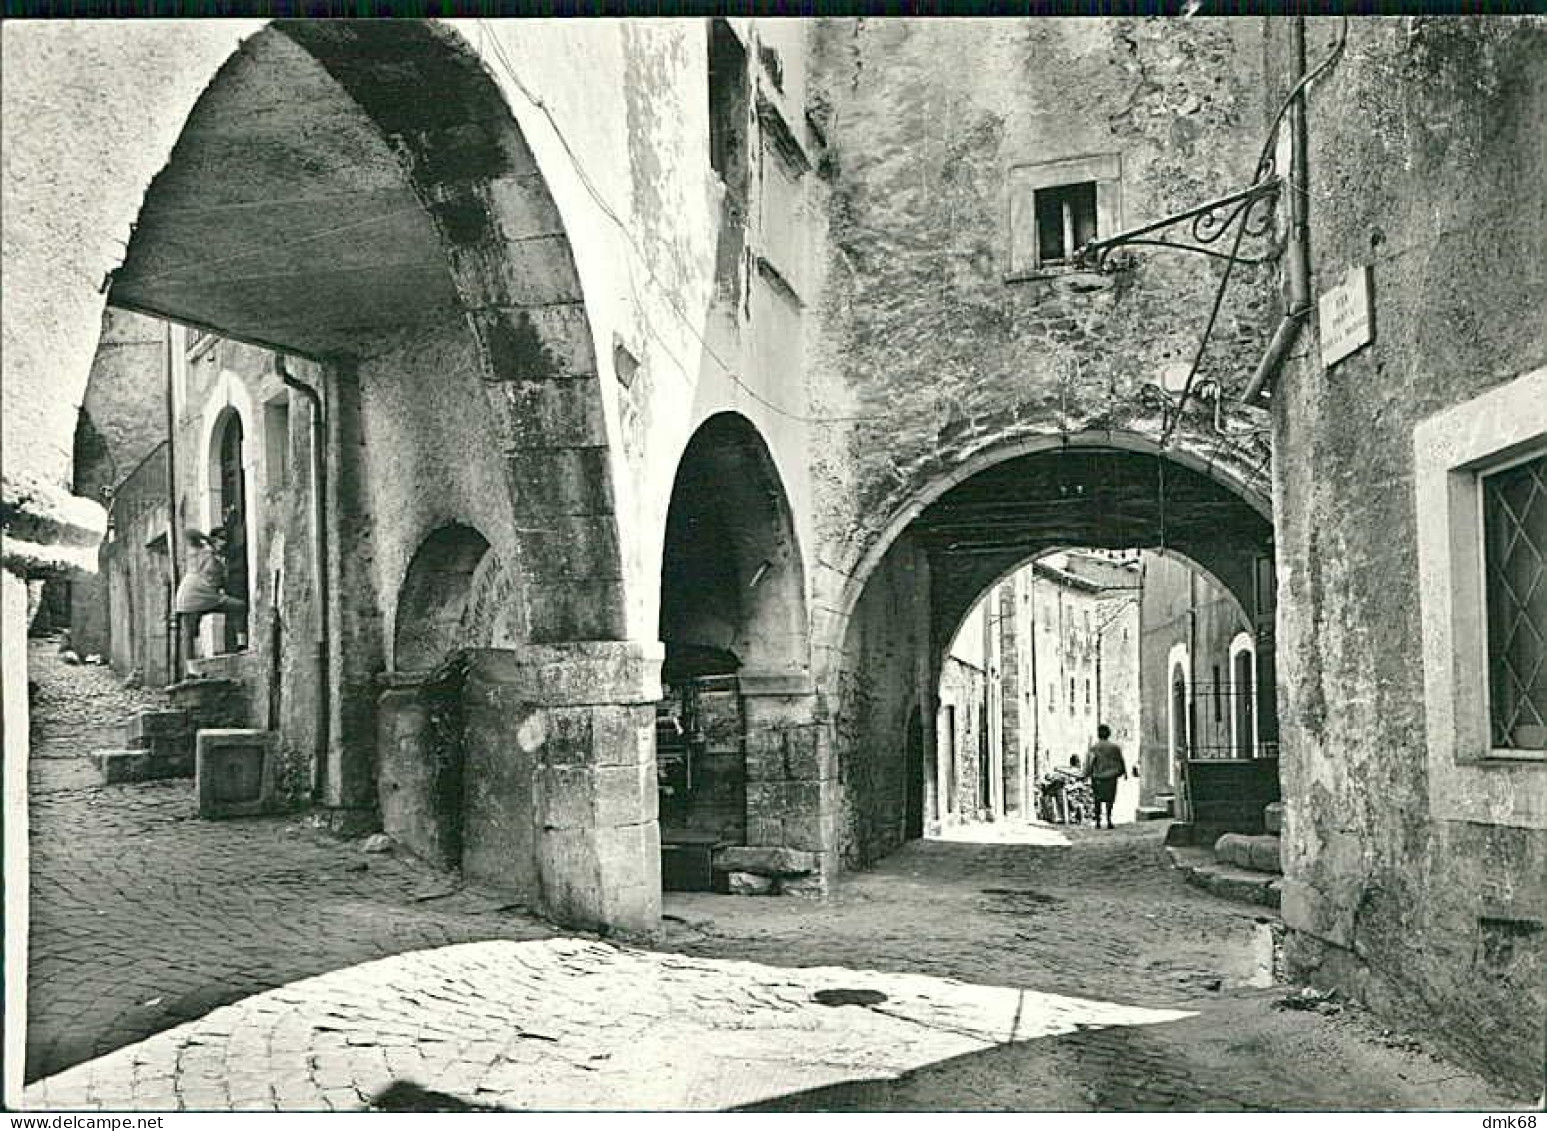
(965, 530)
(319, 202)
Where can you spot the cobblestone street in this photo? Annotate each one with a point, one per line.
(292, 970)
(144, 917)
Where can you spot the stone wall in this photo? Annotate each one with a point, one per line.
(212, 379)
(887, 671)
(962, 723)
(932, 358)
(926, 345)
(1084, 638)
(123, 418)
(1406, 885)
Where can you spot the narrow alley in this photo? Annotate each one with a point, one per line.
(794, 564)
(262, 964)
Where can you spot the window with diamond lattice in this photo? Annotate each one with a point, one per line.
(1515, 535)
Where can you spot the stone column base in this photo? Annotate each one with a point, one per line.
(791, 791)
(560, 780)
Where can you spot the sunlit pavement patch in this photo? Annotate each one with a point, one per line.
(565, 1024)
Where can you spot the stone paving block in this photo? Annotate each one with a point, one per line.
(804, 887)
(1273, 818)
(749, 883)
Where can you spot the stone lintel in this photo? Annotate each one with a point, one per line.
(791, 685)
(575, 674)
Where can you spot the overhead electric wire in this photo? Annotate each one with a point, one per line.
(602, 203)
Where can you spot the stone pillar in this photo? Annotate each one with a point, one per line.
(560, 779)
(354, 613)
(14, 724)
(791, 776)
(421, 756)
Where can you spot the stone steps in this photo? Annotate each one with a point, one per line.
(1263, 853)
(1199, 868)
(158, 744)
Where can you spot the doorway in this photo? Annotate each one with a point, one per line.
(230, 507)
(913, 761)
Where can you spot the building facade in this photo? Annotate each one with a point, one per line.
(758, 351)
(1411, 528)
(1046, 656)
(1198, 677)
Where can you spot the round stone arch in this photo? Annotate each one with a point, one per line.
(318, 203)
(229, 399)
(914, 584)
(1231, 472)
(431, 614)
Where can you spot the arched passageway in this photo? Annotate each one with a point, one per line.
(732, 588)
(968, 538)
(398, 264)
(734, 626)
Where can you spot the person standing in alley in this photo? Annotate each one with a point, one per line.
(202, 588)
(1104, 766)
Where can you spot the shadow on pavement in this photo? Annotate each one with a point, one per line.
(406, 1096)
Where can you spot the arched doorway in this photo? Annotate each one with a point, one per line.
(1243, 679)
(1179, 720)
(228, 507)
(733, 623)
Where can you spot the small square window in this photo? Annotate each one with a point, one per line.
(1066, 222)
(1515, 580)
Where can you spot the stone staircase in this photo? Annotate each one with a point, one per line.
(1243, 867)
(204, 736)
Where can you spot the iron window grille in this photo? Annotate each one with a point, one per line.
(1515, 583)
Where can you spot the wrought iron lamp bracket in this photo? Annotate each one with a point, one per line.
(1251, 208)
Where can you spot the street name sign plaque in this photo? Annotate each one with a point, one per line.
(1343, 314)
